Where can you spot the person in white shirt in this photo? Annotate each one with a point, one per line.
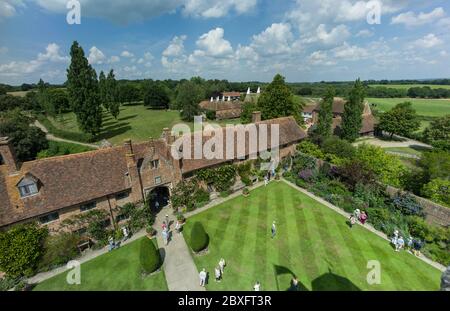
(217, 274)
(274, 229)
(203, 276)
(257, 287)
(222, 265)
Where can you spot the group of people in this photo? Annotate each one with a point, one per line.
(112, 242)
(218, 273)
(413, 245)
(358, 215)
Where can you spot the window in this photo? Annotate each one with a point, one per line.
(88, 206)
(1, 160)
(28, 187)
(49, 218)
(122, 195)
(154, 164)
(158, 180)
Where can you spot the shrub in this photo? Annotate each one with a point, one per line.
(338, 147)
(149, 256)
(408, 205)
(199, 238)
(21, 249)
(438, 190)
(58, 250)
(306, 174)
(311, 149)
(138, 217)
(210, 114)
(245, 191)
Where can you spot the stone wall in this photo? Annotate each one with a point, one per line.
(435, 213)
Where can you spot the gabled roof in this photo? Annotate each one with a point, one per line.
(289, 132)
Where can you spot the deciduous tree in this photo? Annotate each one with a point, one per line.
(353, 109)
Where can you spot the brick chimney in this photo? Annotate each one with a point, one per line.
(256, 116)
(137, 192)
(8, 156)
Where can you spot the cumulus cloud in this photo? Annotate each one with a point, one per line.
(21, 68)
(217, 8)
(114, 59)
(321, 36)
(176, 46)
(411, 19)
(320, 58)
(127, 54)
(214, 44)
(96, 56)
(8, 8)
(365, 33)
(428, 41)
(350, 52)
(275, 39)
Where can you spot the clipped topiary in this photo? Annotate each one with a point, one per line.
(199, 238)
(149, 256)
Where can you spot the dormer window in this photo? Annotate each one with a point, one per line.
(28, 186)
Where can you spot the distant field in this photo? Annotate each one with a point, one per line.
(18, 93)
(424, 107)
(408, 86)
(135, 122)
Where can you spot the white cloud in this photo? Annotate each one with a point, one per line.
(412, 19)
(444, 22)
(308, 14)
(429, 41)
(8, 8)
(335, 36)
(123, 11)
(96, 56)
(365, 33)
(217, 8)
(320, 58)
(275, 39)
(21, 68)
(350, 52)
(114, 59)
(176, 46)
(127, 54)
(214, 44)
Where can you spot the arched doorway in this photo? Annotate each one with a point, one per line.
(158, 198)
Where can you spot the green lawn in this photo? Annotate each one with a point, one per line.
(423, 107)
(117, 270)
(408, 86)
(135, 121)
(58, 148)
(313, 242)
(408, 150)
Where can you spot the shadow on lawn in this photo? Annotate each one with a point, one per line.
(326, 282)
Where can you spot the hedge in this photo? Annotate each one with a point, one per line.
(149, 256)
(81, 137)
(199, 238)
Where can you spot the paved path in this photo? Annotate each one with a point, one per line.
(366, 226)
(88, 255)
(179, 267)
(54, 138)
(402, 142)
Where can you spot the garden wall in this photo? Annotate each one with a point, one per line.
(435, 213)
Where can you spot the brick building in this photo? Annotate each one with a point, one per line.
(54, 189)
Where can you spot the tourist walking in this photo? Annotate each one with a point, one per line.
(125, 233)
(352, 221)
(294, 284)
(202, 275)
(357, 213)
(400, 244)
(165, 236)
(217, 274)
(363, 217)
(274, 229)
(222, 265)
(167, 221)
(257, 286)
(164, 225)
(178, 227)
(266, 180)
(417, 244)
(111, 243)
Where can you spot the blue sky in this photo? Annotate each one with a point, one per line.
(238, 40)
